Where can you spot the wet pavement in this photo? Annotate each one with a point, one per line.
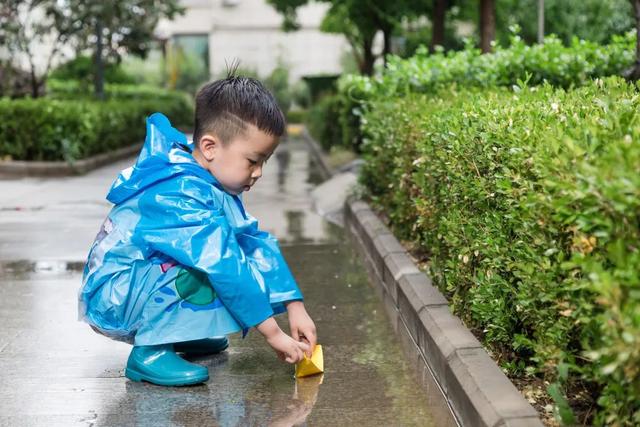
(55, 371)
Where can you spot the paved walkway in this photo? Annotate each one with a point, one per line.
(56, 371)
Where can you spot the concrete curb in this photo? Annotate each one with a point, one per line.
(436, 340)
(437, 343)
(22, 168)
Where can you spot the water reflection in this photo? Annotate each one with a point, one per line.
(304, 398)
(281, 199)
(211, 405)
(283, 157)
(295, 227)
(315, 174)
(25, 268)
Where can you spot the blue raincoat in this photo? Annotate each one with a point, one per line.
(178, 258)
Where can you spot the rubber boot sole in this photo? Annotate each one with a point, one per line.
(134, 375)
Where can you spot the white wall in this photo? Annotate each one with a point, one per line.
(250, 32)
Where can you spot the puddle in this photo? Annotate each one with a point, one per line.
(21, 208)
(367, 379)
(40, 267)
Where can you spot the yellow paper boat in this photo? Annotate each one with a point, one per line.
(311, 366)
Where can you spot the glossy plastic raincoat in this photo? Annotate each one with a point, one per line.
(178, 258)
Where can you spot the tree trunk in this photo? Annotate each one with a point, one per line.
(99, 66)
(487, 24)
(634, 73)
(540, 21)
(386, 48)
(368, 58)
(35, 84)
(438, 18)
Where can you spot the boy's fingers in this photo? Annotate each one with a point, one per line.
(313, 339)
(302, 346)
(309, 351)
(312, 346)
(295, 357)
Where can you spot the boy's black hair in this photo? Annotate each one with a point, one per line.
(224, 107)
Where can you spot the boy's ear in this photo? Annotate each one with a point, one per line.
(208, 144)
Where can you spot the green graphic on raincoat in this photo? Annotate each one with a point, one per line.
(178, 258)
(193, 286)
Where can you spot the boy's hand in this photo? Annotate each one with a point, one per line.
(302, 327)
(287, 349)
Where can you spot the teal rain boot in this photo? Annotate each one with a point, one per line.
(159, 364)
(202, 347)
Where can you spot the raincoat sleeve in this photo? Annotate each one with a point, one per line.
(180, 219)
(263, 251)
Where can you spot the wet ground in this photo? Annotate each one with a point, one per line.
(55, 371)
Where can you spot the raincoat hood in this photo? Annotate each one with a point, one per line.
(165, 154)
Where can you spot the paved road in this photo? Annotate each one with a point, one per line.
(56, 371)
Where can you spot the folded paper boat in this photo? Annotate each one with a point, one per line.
(311, 366)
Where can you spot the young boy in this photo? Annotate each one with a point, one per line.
(178, 263)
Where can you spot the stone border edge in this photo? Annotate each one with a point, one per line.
(22, 168)
(437, 342)
(479, 393)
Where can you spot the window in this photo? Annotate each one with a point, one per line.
(194, 45)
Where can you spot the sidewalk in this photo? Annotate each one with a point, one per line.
(56, 371)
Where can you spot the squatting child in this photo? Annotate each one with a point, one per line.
(178, 263)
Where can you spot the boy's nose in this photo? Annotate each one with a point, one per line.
(257, 172)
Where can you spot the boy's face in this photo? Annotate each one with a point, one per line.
(238, 164)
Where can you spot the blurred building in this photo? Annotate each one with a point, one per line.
(221, 31)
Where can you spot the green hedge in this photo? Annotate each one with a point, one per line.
(82, 68)
(320, 85)
(323, 120)
(551, 62)
(53, 129)
(72, 89)
(527, 205)
(334, 120)
(296, 116)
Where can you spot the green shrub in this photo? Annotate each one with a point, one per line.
(278, 84)
(354, 91)
(334, 120)
(296, 116)
(323, 121)
(81, 69)
(320, 85)
(185, 70)
(50, 129)
(526, 203)
(551, 62)
(70, 89)
(148, 71)
(301, 94)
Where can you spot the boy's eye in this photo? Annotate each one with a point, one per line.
(252, 162)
